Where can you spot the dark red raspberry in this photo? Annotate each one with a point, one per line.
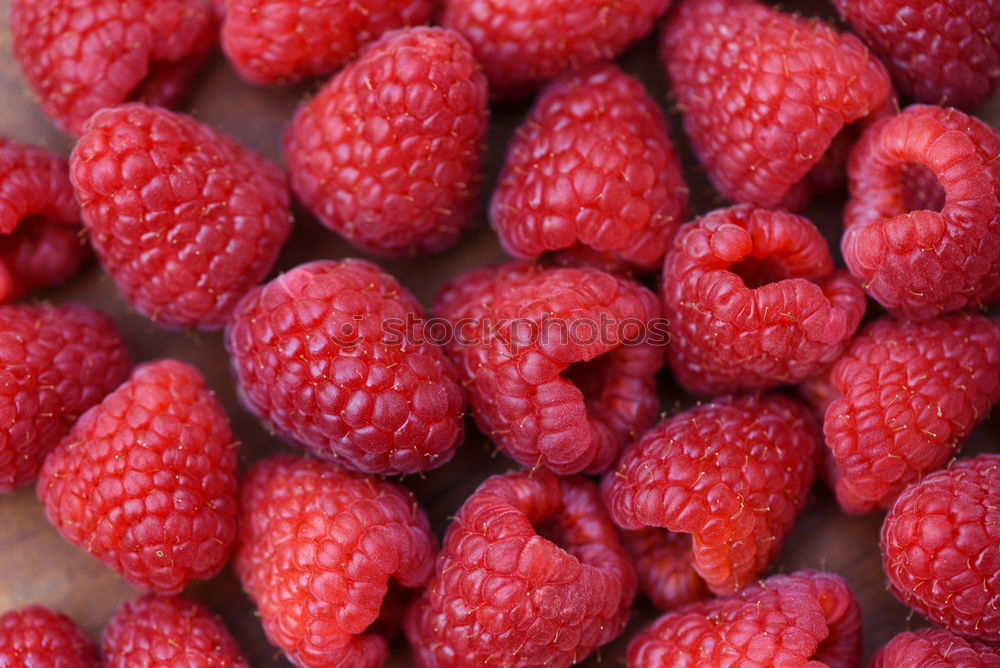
(807, 618)
(920, 253)
(276, 42)
(592, 165)
(85, 55)
(524, 44)
(389, 153)
(910, 394)
(55, 363)
(664, 566)
(317, 547)
(754, 301)
(934, 648)
(765, 93)
(184, 218)
(734, 472)
(532, 573)
(559, 364)
(335, 356)
(146, 480)
(941, 547)
(156, 631)
(36, 637)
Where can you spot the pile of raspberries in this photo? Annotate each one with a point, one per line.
(868, 374)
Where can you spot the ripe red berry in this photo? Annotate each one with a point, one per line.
(335, 356)
(922, 226)
(934, 648)
(531, 574)
(734, 472)
(146, 480)
(764, 93)
(184, 218)
(389, 153)
(35, 637)
(665, 567)
(591, 165)
(941, 547)
(317, 547)
(55, 363)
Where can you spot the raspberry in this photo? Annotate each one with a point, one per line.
(910, 395)
(389, 153)
(146, 480)
(939, 252)
(592, 165)
(334, 356)
(808, 618)
(317, 546)
(37, 637)
(941, 547)
(40, 240)
(278, 42)
(524, 44)
(166, 631)
(82, 56)
(753, 301)
(934, 648)
(663, 564)
(184, 218)
(531, 573)
(55, 363)
(559, 364)
(764, 93)
(734, 472)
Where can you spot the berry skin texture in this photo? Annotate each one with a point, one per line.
(389, 153)
(36, 636)
(559, 364)
(81, 56)
(55, 363)
(663, 564)
(184, 218)
(941, 547)
(146, 480)
(592, 165)
(934, 648)
(168, 632)
(754, 301)
(317, 547)
(808, 618)
(334, 356)
(764, 93)
(734, 473)
(281, 42)
(923, 256)
(531, 574)
(910, 394)
(522, 44)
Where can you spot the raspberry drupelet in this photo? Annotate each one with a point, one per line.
(36, 636)
(665, 567)
(934, 648)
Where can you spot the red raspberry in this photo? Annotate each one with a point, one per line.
(40, 240)
(317, 546)
(184, 218)
(921, 256)
(734, 472)
(277, 42)
(166, 631)
(85, 55)
(524, 44)
(910, 395)
(559, 364)
(753, 301)
(941, 547)
(664, 566)
(36, 637)
(592, 164)
(334, 356)
(807, 618)
(934, 648)
(146, 480)
(389, 153)
(55, 363)
(764, 93)
(531, 574)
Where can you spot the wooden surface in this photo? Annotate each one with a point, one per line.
(36, 565)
